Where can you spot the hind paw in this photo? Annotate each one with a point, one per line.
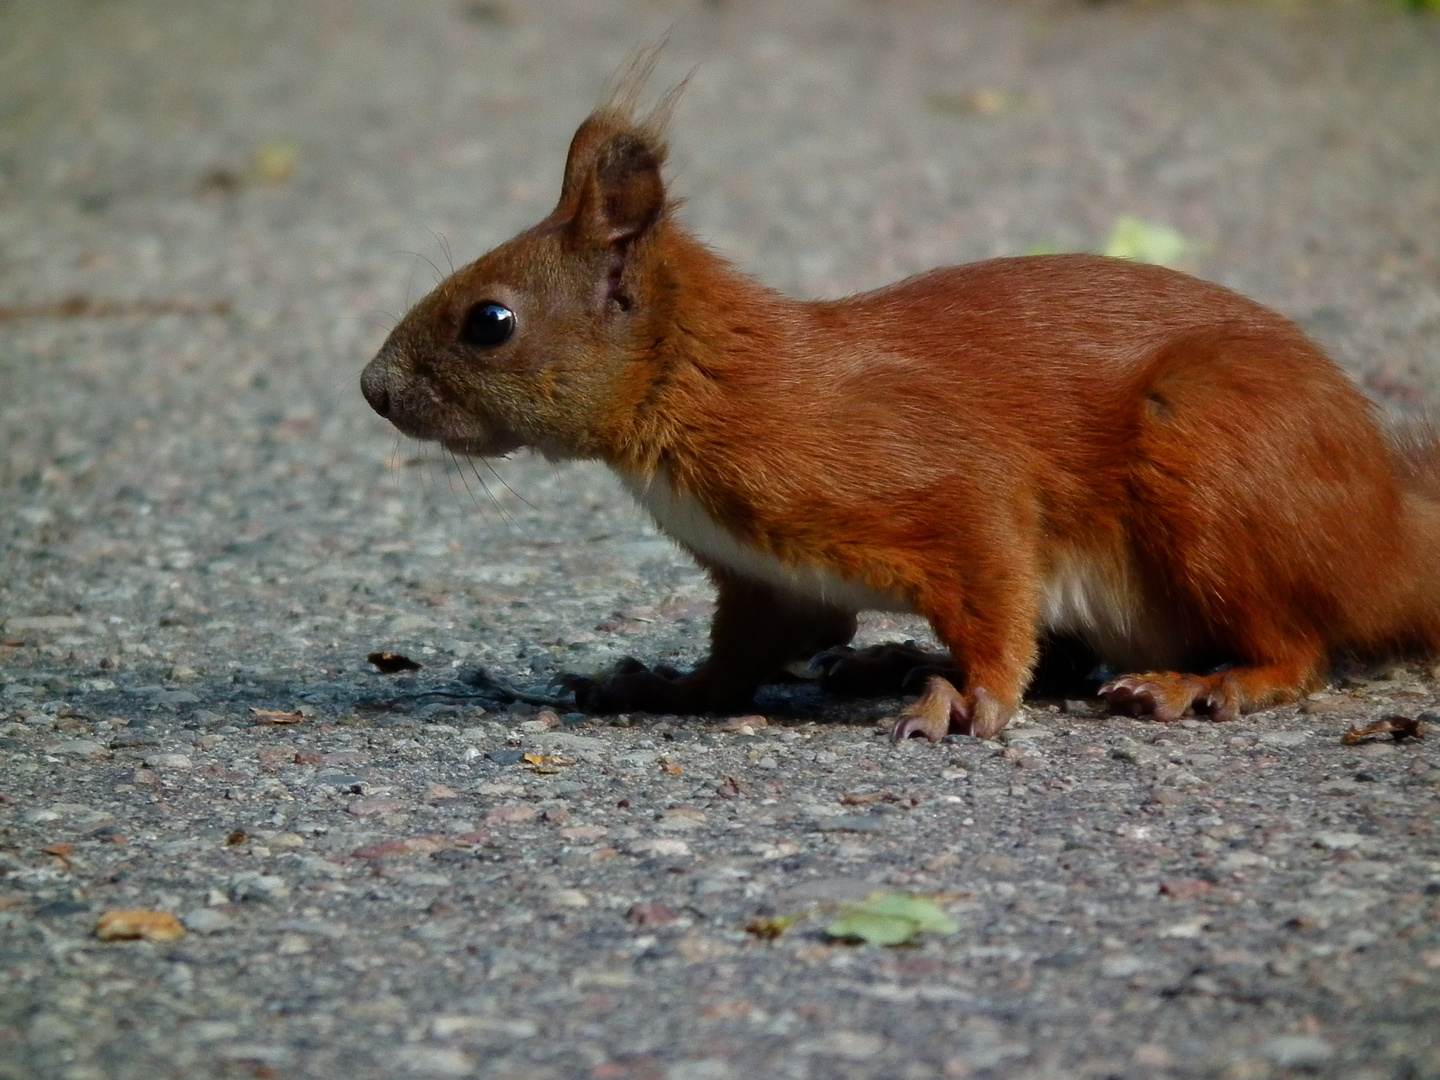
(1167, 695)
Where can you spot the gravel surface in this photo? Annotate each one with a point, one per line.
(209, 215)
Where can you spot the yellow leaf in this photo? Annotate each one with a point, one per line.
(275, 161)
(768, 929)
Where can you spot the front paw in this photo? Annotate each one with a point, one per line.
(630, 686)
(943, 710)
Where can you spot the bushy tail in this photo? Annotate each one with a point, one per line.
(1416, 446)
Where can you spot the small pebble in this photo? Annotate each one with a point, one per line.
(265, 888)
(1297, 1051)
(169, 761)
(1338, 840)
(514, 814)
(1284, 738)
(207, 921)
(374, 807)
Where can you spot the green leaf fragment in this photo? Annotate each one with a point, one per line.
(1140, 240)
(891, 919)
(873, 929)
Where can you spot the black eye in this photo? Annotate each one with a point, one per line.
(487, 324)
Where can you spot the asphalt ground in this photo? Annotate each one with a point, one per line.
(210, 214)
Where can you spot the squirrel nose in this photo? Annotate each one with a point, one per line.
(372, 385)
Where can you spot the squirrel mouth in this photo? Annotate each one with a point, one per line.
(493, 445)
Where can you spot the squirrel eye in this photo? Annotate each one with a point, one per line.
(487, 325)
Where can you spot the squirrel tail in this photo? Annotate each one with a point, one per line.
(1416, 449)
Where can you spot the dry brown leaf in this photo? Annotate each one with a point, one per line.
(139, 923)
(276, 716)
(545, 764)
(768, 929)
(1397, 727)
(389, 663)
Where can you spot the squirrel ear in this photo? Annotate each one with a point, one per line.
(613, 191)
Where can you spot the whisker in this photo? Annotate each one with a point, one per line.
(438, 275)
(505, 514)
(394, 461)
(496, 473)
(427, 481)
(445, 247)
(460, 470)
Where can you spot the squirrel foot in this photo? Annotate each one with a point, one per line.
(881, 669)
(943, 710)
(629, 686)
(1166, 695)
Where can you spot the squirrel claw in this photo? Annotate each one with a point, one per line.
(1160, 696)
(943, 710)
(1166, 695)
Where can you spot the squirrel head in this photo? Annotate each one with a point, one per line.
(537, 344)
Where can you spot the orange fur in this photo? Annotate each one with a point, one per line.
(1144, 460)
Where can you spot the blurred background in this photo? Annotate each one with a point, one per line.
(212, 211)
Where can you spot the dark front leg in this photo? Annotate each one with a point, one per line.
(757, 630)
(880, 670)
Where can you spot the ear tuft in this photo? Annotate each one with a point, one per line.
(614, 190)
(628, 179)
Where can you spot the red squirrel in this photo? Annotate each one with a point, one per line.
(1057, 445)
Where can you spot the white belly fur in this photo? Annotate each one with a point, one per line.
(682, 518)
(1079, 597)
(1101, 606)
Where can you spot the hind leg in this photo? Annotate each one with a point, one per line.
(1251, 457)
(1224, 695)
